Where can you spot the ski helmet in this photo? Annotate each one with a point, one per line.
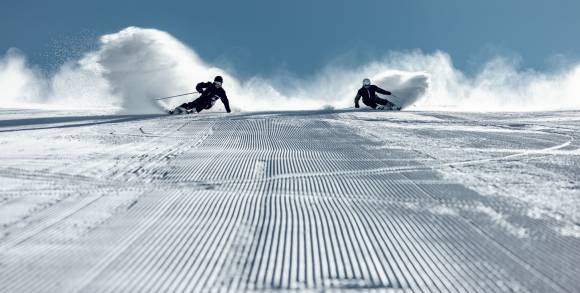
(218, 79)
(366, 81)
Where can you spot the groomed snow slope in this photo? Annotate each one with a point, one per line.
(410, 201)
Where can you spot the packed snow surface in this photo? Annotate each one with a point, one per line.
(276, 201)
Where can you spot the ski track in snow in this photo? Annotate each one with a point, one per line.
(309, 201)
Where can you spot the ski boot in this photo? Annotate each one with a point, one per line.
(178, 110)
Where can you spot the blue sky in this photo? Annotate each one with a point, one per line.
(299, 36)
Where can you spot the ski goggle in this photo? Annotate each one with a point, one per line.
(217, 83)
(366, 81)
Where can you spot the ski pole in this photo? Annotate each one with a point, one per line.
(176, 96)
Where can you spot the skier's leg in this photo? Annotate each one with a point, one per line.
(203, 105)
(388, 104)
(180, 109)
(195, 105)
(191, 105)
(370, 103)
(185, 107)
(199, 107)
(383, 102)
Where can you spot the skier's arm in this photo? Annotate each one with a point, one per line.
(356, 99)
(200, 87)
(382, 91)
(224, 99)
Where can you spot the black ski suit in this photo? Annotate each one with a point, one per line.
(209, 94)
(370, 98)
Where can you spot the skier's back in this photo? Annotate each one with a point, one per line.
(210, 92)
(368, 92)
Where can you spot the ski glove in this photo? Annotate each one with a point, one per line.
(356, 106)
(388, 93)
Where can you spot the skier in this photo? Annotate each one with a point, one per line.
(210, 92)
(368, 92)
